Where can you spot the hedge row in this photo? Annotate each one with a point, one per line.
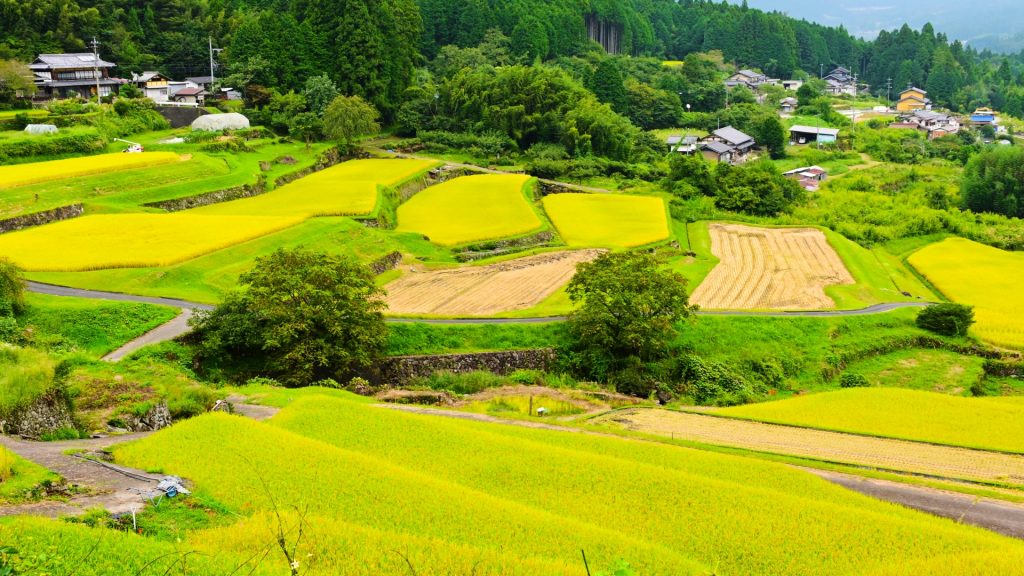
(86, 142)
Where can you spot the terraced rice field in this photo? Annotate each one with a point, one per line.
(608, 220)
(897, 413)
(883, 453)
(471, 209)
(770, 269)
(347, 189)
(984, 277)
(24, 174)
(485, 290)
(130, 240)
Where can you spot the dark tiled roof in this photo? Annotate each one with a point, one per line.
(732, 135)
(78, 60)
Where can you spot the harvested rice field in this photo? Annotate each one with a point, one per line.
(471, 209)
(608, 220)
(130, 240)
(485, 290)
(36, 172)
(883, 453)
(770, 269)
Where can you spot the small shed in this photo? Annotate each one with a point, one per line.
(40, 129)
(807, 134)
(220, 122)
(788, 105)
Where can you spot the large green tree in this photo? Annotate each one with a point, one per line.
(627, 313)
(993, 181)
(348, 118)
(300, 316)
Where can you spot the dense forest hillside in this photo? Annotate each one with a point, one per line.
(372, 48)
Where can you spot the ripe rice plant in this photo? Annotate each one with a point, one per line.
(984, 277)
(471, 209)
(606, 220)
(244, 464)
(348, 189)
(23, 174)
(744, 516)
(131, 240)
(989, 424)
(48, 546)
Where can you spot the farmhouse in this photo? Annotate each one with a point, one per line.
(984, 117)
(806, 134)
(682, 144)
(809, 177)
(189, 96)
(727, 145)
(747, 78)
(71, 75)
(913, 99)
(840, 82)
(788, 105)
(154, 85)
(936, 124)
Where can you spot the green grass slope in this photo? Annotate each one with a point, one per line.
(896, 413)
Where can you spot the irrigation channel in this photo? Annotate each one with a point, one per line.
(179, 325)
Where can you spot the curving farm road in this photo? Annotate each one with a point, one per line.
(179, 325)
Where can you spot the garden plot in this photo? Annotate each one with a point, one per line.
(348, 189)
(770, 268)
(608, 220)
(485, 290)
(982, 276)
(35, 172)
(471, 209)
(130, 240)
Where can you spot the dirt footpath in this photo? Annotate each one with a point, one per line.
(881, 453)
(116, 491)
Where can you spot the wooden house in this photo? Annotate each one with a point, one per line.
(153, 85)
(913, 99)
(73, 75)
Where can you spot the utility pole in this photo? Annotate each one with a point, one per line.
(96, 68)
(888, 92)
(212, 65)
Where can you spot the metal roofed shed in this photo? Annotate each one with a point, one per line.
(806, 134)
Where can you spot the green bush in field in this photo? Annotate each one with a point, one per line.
(948, 319)
(853, 380)
(12, 289)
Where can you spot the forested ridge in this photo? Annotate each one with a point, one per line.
(371, 48)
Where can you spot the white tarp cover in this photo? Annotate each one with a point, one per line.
(220, 122)
(41, 129)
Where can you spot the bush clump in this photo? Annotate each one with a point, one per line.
(947, 319)
(853, 380)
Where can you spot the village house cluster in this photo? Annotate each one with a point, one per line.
(84, 75)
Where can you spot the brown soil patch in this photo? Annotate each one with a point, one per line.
(770, 268)
(484, 290)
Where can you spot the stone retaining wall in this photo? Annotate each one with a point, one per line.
(497, 248)
(400, 370)
(386, 263)
(49, 413)
(40, 218)
(328, 159)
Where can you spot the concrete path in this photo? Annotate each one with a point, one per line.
(115, 488)
(996, 515)
(169, 331)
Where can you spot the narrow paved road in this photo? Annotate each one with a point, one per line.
(163, 333)
(999, 516)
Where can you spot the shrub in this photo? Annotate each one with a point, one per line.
(948, 319)
(12, 289)
(327, 383)
(709, 381)
(262, 381)
(853, 380)
(468, 383)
